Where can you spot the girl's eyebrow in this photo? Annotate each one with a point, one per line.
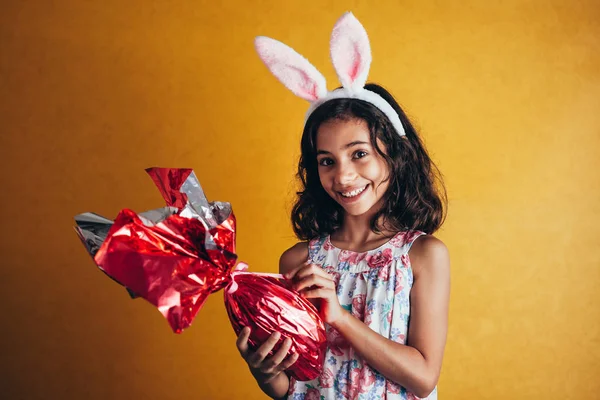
(346, 146)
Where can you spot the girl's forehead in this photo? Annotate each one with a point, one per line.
(334, 134)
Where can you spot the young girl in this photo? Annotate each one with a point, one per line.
(370, 200)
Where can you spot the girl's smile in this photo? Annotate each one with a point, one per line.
(353, 193)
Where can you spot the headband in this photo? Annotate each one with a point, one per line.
(351, 57)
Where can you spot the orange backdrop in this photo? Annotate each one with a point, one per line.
(506, 95)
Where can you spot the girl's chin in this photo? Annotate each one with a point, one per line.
(356, 211)
(367, 205)
(359, 208)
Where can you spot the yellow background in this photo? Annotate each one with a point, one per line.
(506, 95)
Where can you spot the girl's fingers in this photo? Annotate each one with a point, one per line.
(314, 280)
(255, 359)
(318, 293)
(282, 352)
(271, 364)
(311, 269)
(289, 361)
(242, 341)
(291, 274)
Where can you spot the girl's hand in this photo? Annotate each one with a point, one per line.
(266, 369)
(314, 283)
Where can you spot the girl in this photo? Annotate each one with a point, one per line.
(370, 200)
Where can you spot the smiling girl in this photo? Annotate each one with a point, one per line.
(371, 198)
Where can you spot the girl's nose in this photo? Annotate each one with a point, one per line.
(344, 174)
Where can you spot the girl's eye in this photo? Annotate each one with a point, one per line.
(324, 162)
(360, 154)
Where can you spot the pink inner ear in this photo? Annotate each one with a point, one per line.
(293, 70)
(307, 84)
(350, 52)
(355, 64)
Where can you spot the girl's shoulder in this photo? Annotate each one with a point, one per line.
(293, 257)
(427, 251)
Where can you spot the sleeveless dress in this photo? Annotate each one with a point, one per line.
(375, 287)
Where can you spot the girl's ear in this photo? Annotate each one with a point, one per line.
(293, 70)
(350, 52)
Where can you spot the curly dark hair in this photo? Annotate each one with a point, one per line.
(416, 196)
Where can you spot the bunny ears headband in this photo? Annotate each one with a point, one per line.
(351, 57)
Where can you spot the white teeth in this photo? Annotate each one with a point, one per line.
(354, 192)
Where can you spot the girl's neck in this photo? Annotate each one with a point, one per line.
(356, 233)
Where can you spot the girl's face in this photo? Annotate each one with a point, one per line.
(350, 169)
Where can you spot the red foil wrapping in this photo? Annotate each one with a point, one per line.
(175, 261)
(266, 303)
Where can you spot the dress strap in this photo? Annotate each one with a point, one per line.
(410, 238)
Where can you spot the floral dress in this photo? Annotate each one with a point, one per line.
(375, 287)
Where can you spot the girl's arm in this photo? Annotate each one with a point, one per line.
(416, 365)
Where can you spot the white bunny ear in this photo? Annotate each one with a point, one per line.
(350, 52)
(293, 70)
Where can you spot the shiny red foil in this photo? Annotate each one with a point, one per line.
(266, 303)
(169, 265)
(169, 181)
